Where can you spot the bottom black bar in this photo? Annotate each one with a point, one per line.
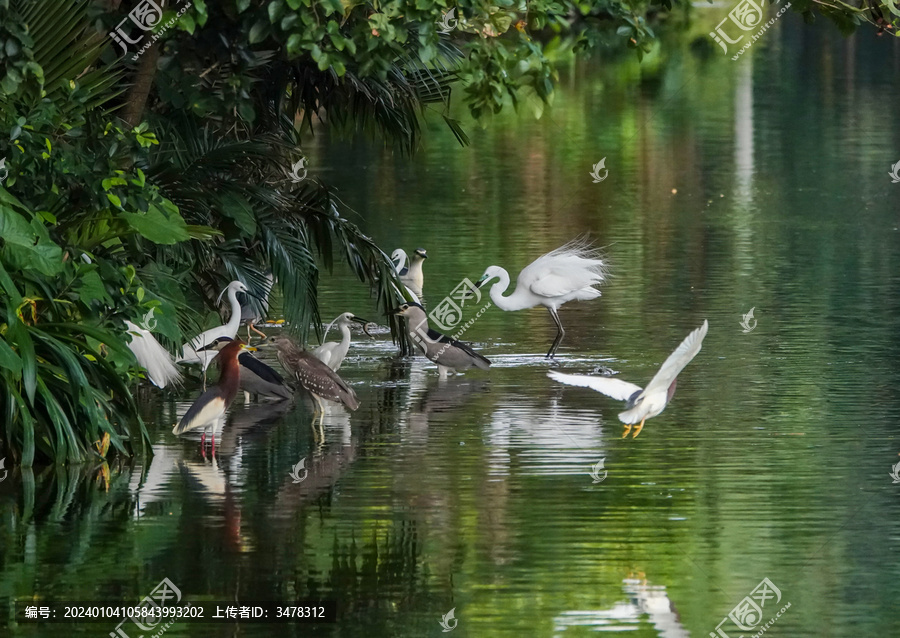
(125, 617)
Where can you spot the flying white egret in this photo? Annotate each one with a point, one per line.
(152, 357)
(332, 353)
(643, 403)
(448, 354)
(413, 277)
(566, 274)
(192, 351)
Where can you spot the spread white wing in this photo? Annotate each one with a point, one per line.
(677, 360)
(615, 388)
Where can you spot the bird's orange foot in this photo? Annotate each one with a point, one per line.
(638, 429)
(627, 430)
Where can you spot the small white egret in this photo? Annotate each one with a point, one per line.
(332, 353)
(192, 351)
(448, 354)
(643, 403)
(152, 357)
(399, 258)
(565, 274)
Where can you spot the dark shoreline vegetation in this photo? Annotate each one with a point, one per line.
(149, 185)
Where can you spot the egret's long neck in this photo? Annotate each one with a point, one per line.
(504, 303)
(234, 322)
(345, 338)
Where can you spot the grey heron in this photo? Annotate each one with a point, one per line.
(447, 353)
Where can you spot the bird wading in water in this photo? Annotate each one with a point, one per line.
(413, 277)
(257, 377)
(313, 376)
(447, 353)
(332, 353)
(643, 403)
(569, 273)
(208, 411)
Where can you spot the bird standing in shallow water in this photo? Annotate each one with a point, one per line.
(208, 411)
(332, 353)
(569, 273)
(256, 376)
(254, 311)
(413, 277)
(194, 351)
(447, 353)
(313, 376)
(643, 403)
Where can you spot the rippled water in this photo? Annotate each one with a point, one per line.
(761, 183)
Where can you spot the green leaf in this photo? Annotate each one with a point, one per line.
(238, 208)
(156, 227)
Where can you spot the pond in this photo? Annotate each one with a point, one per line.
(762, 184)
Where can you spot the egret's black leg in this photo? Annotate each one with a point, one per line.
(560, 333)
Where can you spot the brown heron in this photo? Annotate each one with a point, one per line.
(568, 273)
(332, 353)
(643, 403)
(256, 376)
(208, 411)
(447, 353)
(313, 376)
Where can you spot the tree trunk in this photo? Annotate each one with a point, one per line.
(143, 82)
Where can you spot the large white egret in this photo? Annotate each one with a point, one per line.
(568, 273)
(192, 351)
(643, 403)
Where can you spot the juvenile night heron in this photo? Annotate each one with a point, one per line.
(413, 277)
(643, 403)
(313, 376)
(256, 376)
(193, 351)
(208, 411)
(447, 353)
(568, 273)
(255, 310)
(332, 353)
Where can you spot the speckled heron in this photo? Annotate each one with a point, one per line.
(208, 411)
(448, 354)
(643, 403)
(313, 376)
